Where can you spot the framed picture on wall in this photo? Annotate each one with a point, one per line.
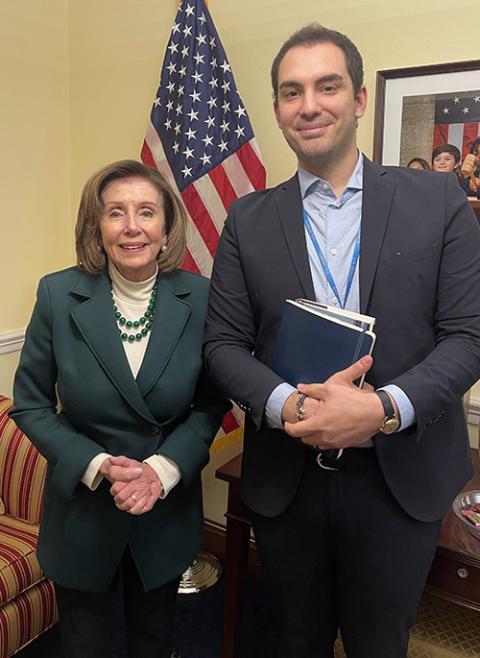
(420, 107)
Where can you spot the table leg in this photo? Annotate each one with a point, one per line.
(236, 563)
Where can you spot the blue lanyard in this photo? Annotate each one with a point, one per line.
(324, 264)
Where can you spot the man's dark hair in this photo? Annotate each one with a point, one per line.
(311, 35)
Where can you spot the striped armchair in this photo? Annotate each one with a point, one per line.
(27, 599)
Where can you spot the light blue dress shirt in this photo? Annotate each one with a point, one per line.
(335, 222)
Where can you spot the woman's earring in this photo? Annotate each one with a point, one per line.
(163, 248)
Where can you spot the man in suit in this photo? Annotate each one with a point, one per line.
(346, 540)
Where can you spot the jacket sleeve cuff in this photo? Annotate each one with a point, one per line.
(274, 405)
(405, 407)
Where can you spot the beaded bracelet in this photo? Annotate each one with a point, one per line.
(299, 410)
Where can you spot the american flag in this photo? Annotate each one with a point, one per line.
(457, 120)
(200, 138)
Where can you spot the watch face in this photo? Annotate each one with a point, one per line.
(389, 426)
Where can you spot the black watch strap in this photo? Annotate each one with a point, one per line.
(388, 407)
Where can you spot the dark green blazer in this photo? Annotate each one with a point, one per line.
(73, 353)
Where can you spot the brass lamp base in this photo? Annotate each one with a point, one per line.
(204, 572)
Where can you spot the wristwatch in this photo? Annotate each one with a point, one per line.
(391, 422)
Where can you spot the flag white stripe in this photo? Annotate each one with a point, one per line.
(237, 176)
(207, 193)
(198, 249)
(239, 415)
(254, 145)
(211, 200)
(158, 154)
(196, 245)
(455, 135)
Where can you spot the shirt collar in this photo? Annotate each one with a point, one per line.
(310, 183)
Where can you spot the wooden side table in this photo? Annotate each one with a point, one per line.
(237, 540)
(455, 573)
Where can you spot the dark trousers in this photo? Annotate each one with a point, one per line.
(88, 619)
(344, 555)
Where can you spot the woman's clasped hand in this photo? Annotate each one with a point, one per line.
(135, 488)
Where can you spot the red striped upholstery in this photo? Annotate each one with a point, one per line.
(19, 568)
(26, 617)
(22, 469)
(27, 598)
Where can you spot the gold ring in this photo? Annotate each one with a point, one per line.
(134, 498)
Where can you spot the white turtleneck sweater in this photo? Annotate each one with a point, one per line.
(131, 298)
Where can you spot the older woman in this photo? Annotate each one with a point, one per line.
(111, 390)
(446, 159)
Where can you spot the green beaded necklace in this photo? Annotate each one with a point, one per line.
(144, 324)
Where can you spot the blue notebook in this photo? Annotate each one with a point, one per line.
(315, 341)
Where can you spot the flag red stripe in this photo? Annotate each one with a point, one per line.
(440, 135)
(229, 423)
(203, 221)
(470, 134)
(223, 186)
(189, 263)
(146, 155)
(252, 165)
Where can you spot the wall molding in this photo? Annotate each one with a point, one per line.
(11, 342)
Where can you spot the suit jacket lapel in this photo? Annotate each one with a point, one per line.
(289, 205)
(96, 322)
(376, 205)
(173, 312)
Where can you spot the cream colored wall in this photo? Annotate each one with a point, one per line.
(8, 365)
(34, 165)
(116, 52)
(35, 216)
(78, 79)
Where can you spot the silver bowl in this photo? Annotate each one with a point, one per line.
(462, 501)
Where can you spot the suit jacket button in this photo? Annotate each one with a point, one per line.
(154, 431)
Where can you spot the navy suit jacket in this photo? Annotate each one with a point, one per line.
(419, 277)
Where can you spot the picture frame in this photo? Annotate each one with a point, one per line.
(405, 101)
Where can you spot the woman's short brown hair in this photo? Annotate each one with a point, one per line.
(88, 244)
